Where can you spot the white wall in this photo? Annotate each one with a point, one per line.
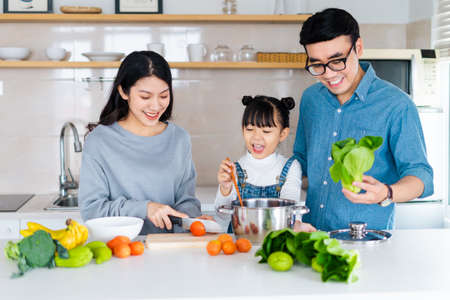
(420, 10)
(365, 11)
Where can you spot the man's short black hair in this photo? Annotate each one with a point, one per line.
(327, 25)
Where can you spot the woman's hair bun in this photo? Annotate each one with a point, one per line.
(288, 102)
(246, 100)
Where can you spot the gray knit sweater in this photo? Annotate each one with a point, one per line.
(121, 172)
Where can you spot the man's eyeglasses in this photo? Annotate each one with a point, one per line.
(338, 64)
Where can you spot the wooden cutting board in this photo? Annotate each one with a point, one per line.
(178, 240)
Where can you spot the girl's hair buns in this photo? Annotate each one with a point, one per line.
(266, 111)
(246, 100)
(288, 102)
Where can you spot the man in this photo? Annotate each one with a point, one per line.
(350, 101)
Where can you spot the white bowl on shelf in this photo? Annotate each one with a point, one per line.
(103, 56)
(14, 53)
(105, 229)
(55, 53)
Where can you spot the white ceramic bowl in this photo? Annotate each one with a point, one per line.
(55, 53)
(14, 53)
(103, 56)
(105, 229)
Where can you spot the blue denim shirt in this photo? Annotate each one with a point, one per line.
(376, 108)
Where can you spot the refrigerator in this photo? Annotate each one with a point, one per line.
(432, 211)
(421, 74)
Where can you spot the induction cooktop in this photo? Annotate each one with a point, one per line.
(13, 202)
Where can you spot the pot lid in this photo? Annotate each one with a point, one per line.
(357, 233)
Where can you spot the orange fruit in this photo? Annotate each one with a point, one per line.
(225, 237)
(120, 239)
(122, 250)
(243, 245)
(214, 247)
(228, 247)
(197, 228)
(137, 248)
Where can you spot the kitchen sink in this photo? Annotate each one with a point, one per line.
(69, 202)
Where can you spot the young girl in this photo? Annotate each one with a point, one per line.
(135, 162)
(262, 172)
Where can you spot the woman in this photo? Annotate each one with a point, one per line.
(135, 162)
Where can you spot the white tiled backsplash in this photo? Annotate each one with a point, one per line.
(36, 102)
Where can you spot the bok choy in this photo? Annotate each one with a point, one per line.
(352, 160)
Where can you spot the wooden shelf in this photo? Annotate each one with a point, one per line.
(58, 64)
(234, 65)
(127, 18)
(176, 65)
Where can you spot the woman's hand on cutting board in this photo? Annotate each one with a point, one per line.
(206, 217)
(159, 213)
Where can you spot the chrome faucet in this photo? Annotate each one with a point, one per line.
(64, 183)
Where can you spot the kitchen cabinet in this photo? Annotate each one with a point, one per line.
(34, 210)
(9, 229)
(160, 18)
(12, 222)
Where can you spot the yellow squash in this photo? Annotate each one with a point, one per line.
(70, 237)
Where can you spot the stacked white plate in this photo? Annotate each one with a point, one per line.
(103, 56)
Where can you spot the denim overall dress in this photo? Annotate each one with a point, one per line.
(248, 190)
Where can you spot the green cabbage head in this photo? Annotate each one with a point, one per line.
(352, 160)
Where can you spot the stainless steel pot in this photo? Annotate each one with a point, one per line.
(259, 216)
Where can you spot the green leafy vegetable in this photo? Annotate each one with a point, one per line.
(62, 252)
(277, 241)
(315, 249)
(306, 250)
(352, 160)
(34, 251)
(38, 249)
(334, 262)
(12, 251)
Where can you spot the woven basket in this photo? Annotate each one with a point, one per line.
(281, 57)
(80, 9)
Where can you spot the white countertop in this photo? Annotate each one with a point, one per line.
(34, 208)
(413, 264)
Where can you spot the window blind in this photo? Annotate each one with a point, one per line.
(441, 28)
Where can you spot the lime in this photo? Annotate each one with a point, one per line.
(280, 261)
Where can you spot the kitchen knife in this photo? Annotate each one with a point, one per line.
(210, 226)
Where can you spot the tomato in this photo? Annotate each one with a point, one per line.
(120, 239)
(197, 228)
(228, 247)
(225, 237)
(214, 247)
(243, 245)
(121, 250)
(137, 248)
